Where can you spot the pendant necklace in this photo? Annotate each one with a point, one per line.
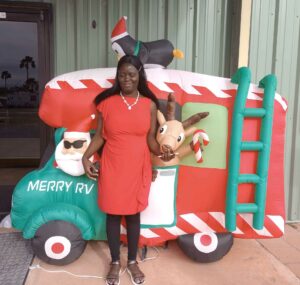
(127, 104)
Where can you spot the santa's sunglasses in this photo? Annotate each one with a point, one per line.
(75, 144)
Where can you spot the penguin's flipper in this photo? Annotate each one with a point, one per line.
(177, 53)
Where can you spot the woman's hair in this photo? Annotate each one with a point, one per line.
(142, 86)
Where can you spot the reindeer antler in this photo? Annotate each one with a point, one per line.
(171, 107)
(194, 119)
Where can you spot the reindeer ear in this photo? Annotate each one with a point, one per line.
(189, 131)
(160, 117)
(194, 119)
(171, 106)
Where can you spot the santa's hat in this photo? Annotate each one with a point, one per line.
(80, 130)
(119, 30)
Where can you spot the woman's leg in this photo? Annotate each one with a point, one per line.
(133, 233)
(113, 223)
(133, 226)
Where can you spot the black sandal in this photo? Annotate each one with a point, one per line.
(113, 276)
(136, 275)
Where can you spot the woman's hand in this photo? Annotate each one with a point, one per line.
(91, 170)
(166, 153)
(154, 174)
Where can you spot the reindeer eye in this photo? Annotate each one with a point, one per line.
(163, 129)
(180, 137)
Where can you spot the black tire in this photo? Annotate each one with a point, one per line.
(58, 242)
(206, 247)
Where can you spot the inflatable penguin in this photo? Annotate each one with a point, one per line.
(152, 54)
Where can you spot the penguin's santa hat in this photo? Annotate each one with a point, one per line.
(80, 130)
(120, 30)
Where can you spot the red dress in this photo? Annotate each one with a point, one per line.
(125, 168)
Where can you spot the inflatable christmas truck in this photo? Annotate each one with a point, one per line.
(225, 182)
(230, 187)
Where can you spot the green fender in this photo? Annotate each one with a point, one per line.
(60, 211)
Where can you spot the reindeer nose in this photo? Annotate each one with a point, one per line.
(166, 147)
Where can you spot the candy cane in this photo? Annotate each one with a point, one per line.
(199, 134)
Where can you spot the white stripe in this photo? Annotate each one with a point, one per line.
(53, 84)
(220, 217)
(200, 134)
(175, 231)
(147, 233)
(253, 96)
(196, 222)
(255, 89)
(123, 230)
(159, 77)
(153, 65)
(113, 39)
(195, 138)
(77, 84)
(278, 221)
(249, 219)
(99, 75)
(279, 99)
(186, 80)
(198, 155)
(205, 137)
(103, 83)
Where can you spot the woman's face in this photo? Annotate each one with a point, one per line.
(128, 77)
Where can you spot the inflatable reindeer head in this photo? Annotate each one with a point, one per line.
(172, 133)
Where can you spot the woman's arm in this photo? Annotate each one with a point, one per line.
(151, 138)
(96, 142)
(165, 153)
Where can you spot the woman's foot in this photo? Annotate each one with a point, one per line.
(136, 275)
(113, 276)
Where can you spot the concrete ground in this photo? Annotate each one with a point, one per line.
(270, 261)
(259, 262)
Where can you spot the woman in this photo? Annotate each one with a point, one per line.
(127, 124)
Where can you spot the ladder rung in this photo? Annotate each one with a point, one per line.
(246, 208)
(254, 112)
(253, 145)
(248, 178)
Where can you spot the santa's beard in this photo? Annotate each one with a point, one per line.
(69, 163)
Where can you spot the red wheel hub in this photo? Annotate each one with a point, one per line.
(205, 240)
(57, 247)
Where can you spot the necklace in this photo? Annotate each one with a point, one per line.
(127, 104)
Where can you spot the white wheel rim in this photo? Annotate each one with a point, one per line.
(206, 242)
(57, 247)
